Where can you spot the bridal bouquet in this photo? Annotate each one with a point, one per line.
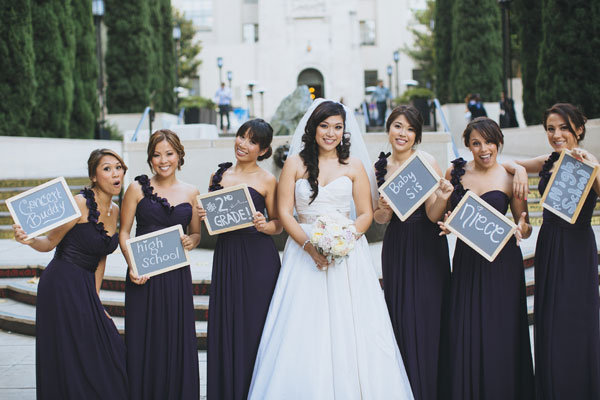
(333, 236)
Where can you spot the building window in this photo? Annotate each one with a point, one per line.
(367, 33)
(250, 33)
(200, 12)
(370, 78)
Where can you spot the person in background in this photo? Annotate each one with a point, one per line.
(475, 107)
(508, 117)
(380, 97)
(223, 99)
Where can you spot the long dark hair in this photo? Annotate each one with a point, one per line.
(310, 153)
(572, 116)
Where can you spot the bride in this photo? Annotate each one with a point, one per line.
(328, 334)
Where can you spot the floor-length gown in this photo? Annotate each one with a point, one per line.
(245, 269)
(490, 356)
(567, 333)
(328, 334)
(162, 355)
(79, 353)
(416, 280)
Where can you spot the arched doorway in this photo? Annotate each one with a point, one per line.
(314, 80)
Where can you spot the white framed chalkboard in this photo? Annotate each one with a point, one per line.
(157, 252)
(410, 185)
(44, 207)
(569, 186)
(480, 225)
(227, 209)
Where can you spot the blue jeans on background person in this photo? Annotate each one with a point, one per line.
(381, 108)
(224, 110)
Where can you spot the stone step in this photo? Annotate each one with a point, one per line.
(20, 318)
(6, 193)
(28, 183)
(24, 290)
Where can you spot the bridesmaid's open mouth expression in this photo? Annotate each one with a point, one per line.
(109, 175)
(484, 152)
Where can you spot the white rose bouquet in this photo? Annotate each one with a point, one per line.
(333, 236)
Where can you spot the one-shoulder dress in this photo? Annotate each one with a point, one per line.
(79, 353)
(160, 333)
(567, 333)
(490, 350)
(244, 273)
(416, 280)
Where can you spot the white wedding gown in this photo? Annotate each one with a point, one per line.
(328, 334)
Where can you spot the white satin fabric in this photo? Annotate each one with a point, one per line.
(328, 334)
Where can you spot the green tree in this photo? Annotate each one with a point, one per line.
(54, 48)
(476, 49)
(443, 48)
(423, 50)
(568, 63)
(17, 78)
(188, 50)
(128, 56)
(162, 80)
(85, 74)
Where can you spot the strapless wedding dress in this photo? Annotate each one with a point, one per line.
(328, 334)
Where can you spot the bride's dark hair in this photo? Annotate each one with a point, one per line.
(310, 153)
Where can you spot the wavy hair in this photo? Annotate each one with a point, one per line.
(310, 153)
(572, 116)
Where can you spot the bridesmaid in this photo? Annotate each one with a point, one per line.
(490, 356)
(162, 355)
(245, 269)
(567, 334)
(415, 261)
(79, 354)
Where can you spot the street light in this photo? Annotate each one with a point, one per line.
(98, 12)
(229, 77)
(250, 96)
(176, 37)
(389, 73)
(396, 59)
(220, 65)
(261, 91)
(506, 59)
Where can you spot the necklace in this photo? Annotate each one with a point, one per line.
(109, 207)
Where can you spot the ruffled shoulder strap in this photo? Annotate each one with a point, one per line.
(545, 172)
(93, 213)
(215, 184)
(148, 191)
(381, 168)
(456, 174)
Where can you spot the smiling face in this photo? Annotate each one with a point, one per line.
(109, 175)
(484, 152)
(559, 135)
(246, 148)
(330, 132)
(165, 159)
(401, 135)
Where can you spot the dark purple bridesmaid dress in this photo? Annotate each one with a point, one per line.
(160, 333)
(490, 351)
(416, 280)
(245, 269)
(79, 353)
(567, 333)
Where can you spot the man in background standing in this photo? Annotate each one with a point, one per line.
(223, 99)
(380, 97)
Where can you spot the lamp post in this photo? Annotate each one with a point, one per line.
(250, 96)
(98, 12)
(261, 91)
(229, 77)
(389, 74)
(176, 38)
(220, 65)
(396, 59)
(506, 59)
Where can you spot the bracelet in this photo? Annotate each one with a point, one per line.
(305, 243)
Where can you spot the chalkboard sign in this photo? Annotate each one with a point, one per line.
(480, 226)
(44, 207)
(157, 252)
(569, 186)
(409, 186)
(227, 209)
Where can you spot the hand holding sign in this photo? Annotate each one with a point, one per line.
(226, 209)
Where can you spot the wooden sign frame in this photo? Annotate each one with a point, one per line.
(586, 191)
(48, 228)
(150, 235)
(213, 231)
(480, 201)
(404, 217)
